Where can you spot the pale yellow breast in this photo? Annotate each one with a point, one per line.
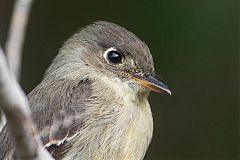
(137, 117)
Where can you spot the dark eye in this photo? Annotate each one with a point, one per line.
(114, 57)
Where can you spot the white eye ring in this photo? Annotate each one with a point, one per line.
(113, 56)
(105, 54)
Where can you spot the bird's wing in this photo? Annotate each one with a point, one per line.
(62, 103)
(56, 106)
(6, 151)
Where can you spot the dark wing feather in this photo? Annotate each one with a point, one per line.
(56, 106)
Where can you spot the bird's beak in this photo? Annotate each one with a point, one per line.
(152, 84)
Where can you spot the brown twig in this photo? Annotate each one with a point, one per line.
(13, 101)
(16, 34)
(15, 106)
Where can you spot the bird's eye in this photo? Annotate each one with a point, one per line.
(114, 57)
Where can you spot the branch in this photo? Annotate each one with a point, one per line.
(15, 106)
(16, 34)
(13, 101)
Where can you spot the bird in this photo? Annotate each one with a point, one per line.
(92, 103)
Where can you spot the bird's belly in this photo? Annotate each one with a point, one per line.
(115, 142)
(138, 136)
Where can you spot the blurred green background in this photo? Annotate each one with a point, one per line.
(195, 48)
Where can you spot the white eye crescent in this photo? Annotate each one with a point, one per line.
(112, 55)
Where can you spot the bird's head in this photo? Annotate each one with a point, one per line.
(108, 50)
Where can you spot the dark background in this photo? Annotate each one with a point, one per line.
(195, 48)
